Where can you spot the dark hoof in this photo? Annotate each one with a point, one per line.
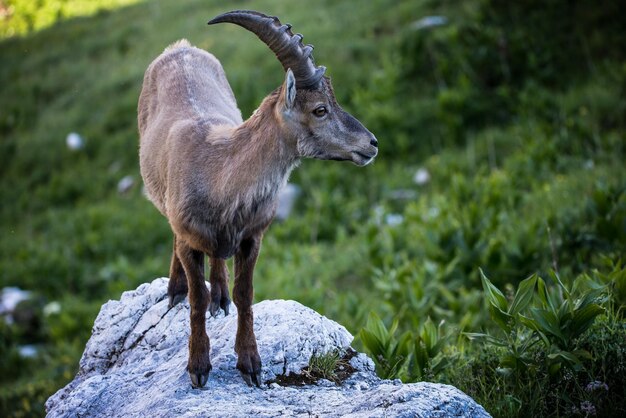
(250, 379)
(176, 299)
(199, 362)
(215, 305)
(250, 368)
(198, 380)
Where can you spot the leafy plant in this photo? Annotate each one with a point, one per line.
(514, 337)
(390, 353)
(615, 279)
(555, 317)
(411, 356)
(427, 359)
(550, 338)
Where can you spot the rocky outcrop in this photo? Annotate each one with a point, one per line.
(134, 366)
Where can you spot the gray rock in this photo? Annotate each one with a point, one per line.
(134, 366)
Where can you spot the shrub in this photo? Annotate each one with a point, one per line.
(410, 357)
(555, 340)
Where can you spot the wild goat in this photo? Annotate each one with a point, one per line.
(216, 178)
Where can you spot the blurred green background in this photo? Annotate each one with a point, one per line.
(502, 147)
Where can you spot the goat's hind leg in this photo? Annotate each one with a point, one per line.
(219, 287)
(199, 363)
(177, 287)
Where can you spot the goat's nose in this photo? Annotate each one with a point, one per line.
(374, 142)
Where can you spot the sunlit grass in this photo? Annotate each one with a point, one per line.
(21, 17)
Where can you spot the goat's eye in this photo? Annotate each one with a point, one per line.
(320, 111)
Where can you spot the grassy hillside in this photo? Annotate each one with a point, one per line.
(515, 112)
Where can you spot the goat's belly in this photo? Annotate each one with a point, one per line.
(208, 233)
(226, 242)
(226, 245)
(210, 239)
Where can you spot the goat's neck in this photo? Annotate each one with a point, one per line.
(265, 152)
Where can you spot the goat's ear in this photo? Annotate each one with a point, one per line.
(289, 90)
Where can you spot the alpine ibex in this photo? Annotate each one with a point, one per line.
(216, 178)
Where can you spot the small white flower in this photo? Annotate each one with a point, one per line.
(74, 141)
(433, 212)
(588, 408)
(429, 22)
(421, 177)
(393, 219)
(27, 351)
(10, 297)
(595, 385)
(125, 184)
(52, 308)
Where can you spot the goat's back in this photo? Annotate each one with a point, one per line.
(186, 82)
(185, 94)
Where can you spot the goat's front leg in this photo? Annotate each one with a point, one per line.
(248, 359)
(199, 363)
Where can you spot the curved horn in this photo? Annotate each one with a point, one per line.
(288, 47)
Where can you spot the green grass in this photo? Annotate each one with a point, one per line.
(23, 17)
(524, 149)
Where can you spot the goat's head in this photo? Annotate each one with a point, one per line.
(307, 103)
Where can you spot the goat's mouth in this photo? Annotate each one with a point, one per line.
(362, 159)
(359, 158)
